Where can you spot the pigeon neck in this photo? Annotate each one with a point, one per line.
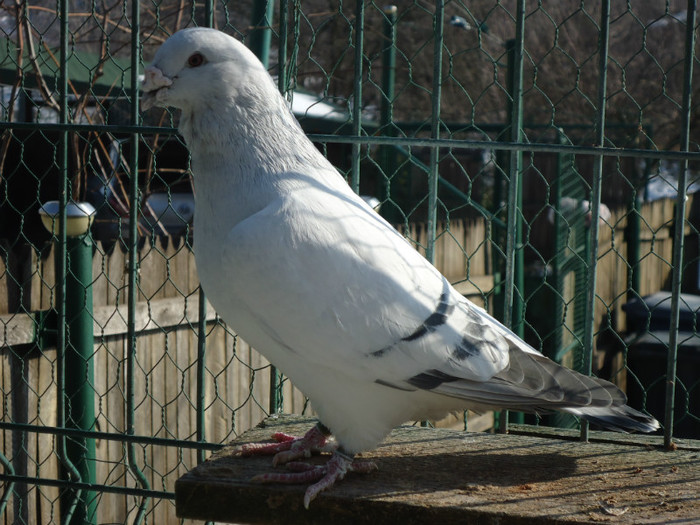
(251, 127)
(255, 142)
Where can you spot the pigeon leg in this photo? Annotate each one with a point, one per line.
(288, 448)
(325, 476)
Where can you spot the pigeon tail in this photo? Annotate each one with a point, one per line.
(619, 418)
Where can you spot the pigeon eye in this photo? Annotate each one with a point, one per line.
(195, 60)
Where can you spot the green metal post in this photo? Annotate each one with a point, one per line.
(70, 500)
(200, 431)
(387, 157)
(594, 228)
(261, 21)
(133, 264)
(679, 223)
(209, 13)
(433, 175)
(514, 298)
(282, 48)
(201, 373)
(79, 372)
(513, 314)
(359, 29)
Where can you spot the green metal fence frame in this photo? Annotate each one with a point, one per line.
(513, 147)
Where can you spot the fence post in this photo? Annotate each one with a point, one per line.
(359, 29)
(679, 227)
(261, 21)
(514, 272)
(133, 265)
(594, 228)
(387, 152)
(80, 391)
(79, 396)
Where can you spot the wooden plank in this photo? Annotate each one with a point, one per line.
(44, 281)
(105, 450)
(156, 347)
(173, 387)
(100, 260)
(16, 329)
(117, 276)
(110, 320)
(116, 422)
(156, 314)
(185, 404)
(46, 460)
(446, 476)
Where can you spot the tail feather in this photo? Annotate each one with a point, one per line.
(534, 384)
(617, 418)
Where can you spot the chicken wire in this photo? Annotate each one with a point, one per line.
(491, 133)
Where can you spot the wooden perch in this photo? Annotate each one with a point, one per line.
(539, 475)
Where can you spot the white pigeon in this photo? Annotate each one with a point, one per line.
(308, 274)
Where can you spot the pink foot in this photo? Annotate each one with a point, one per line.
(288, 448)
(325, 476)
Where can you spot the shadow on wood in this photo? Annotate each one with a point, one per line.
(446, 476)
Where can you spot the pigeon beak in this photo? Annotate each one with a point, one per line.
(154, 87)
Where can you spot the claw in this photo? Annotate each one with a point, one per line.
(335, 469)
(288, 448)
(325, 476)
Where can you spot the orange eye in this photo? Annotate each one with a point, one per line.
(195, 60)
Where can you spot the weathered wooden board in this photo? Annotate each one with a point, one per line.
(446, 476)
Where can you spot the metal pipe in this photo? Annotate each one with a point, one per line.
(679, 230)
(282, 47)
(201, 428)
(514, 275)
(357, 96)
(513, 311)
(387, 156)
(133, 260)
(438, 39)
(388, 68)
(452, 143)
(594, 228)
(209, 13)
(201, 373)
(260, 36)
(79, 371)
(70, 500)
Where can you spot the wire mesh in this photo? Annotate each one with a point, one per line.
(543, 155)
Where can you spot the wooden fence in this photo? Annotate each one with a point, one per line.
(237, 378)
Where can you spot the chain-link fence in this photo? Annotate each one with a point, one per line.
(544, 155)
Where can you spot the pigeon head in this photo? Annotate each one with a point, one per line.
(192, 64)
